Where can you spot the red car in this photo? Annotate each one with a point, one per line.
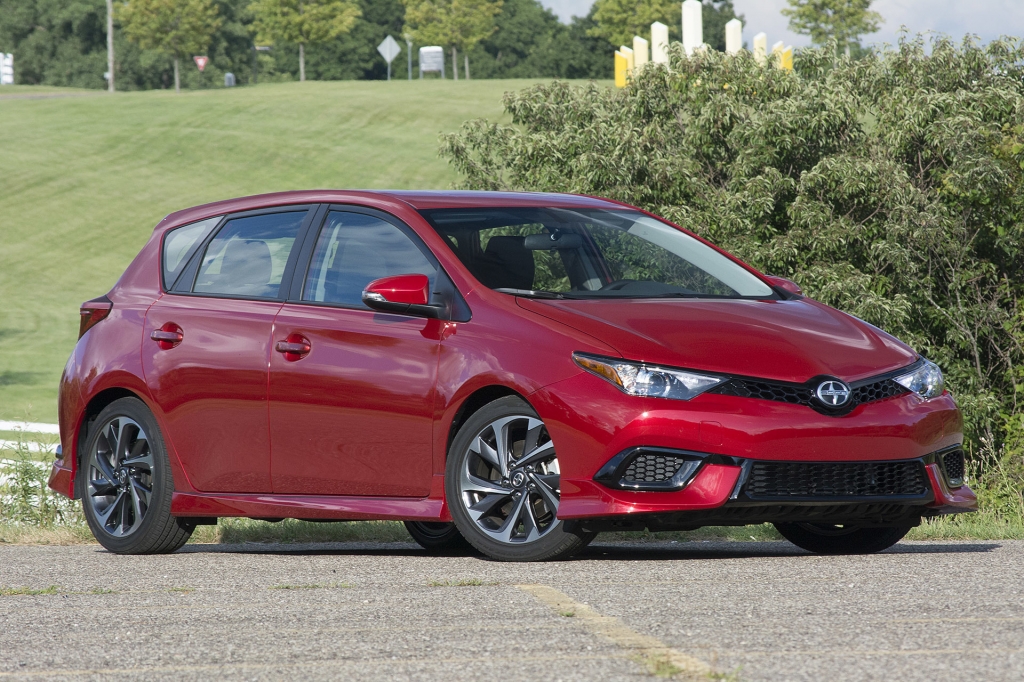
(519, 371)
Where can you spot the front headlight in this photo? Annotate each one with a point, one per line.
(639, 379)
(926, 380)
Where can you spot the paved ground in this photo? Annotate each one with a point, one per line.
(921, 611)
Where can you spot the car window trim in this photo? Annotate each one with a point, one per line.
(188, 276)
(460, 309)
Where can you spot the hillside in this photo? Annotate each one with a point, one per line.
(84, 178)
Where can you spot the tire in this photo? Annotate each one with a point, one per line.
(437, 536)
(502, 486)
(126, 483)
(832, 539)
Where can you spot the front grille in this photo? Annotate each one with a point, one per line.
(775, 480)
(652, 468)
(799, 394)
(953, 464)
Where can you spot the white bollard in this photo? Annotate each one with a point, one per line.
(628, 54)
(761, 47)
(640, 52)
(693, 27)
(733, 36)
(6, 69)
(659, 43)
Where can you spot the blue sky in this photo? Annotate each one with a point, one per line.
(986, 18)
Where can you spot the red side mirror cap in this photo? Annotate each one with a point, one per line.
(407, 289)
(785, 284)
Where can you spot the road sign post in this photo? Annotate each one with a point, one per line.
(389, 49)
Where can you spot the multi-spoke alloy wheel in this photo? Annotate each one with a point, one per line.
(503, 485)
(126, 484)
(120, 476)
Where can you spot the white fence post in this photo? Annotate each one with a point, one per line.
(693, 27)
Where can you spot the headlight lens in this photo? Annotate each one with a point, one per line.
(926, 380)
(639, 379)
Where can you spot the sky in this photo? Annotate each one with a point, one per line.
(987, 19)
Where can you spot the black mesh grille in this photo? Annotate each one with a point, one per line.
(650, 468)
(767, 390)
(835, 479)
(953, 463)
(798, 394)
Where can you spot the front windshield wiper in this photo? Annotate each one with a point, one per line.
(531, 293)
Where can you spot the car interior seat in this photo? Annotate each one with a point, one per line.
(506, 264)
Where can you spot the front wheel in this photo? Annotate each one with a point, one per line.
(823, 538)
(502, 485)
(126, 484)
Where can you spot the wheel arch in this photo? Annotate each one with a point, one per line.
(92, 410)
(473, 402)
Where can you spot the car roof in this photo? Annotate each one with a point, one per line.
(417, 199)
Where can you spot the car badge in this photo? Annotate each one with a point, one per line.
(833, 393)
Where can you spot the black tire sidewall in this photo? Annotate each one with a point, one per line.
(859, 541)
(158, 515)
(557, 543)
(449, 539)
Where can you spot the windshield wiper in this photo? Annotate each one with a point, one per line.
(531, 293)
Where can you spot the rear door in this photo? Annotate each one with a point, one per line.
(353, 414)
(207, 345)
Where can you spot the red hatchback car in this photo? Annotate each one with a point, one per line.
(519, 371)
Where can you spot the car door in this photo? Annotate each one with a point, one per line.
(352, 394)
(207, 346)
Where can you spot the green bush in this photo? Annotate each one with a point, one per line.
(891, 186)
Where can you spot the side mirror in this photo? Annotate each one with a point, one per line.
(785, 284)
(409, 294)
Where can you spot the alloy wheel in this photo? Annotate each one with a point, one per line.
(120, 476)
(509, 480)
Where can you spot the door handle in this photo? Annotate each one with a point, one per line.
(168, 336)
(295, 347)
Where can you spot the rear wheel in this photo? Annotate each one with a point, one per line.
(126, 483)
(823, 538)
(437, 536)
(502, 485)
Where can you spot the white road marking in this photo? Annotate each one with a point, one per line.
(30, 427)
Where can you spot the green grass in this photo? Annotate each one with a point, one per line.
(85, 180)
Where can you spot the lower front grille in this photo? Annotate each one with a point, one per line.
(953, 465)
(652, 468)
(829, 480)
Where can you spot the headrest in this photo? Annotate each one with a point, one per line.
(507, 264)
(247, 262)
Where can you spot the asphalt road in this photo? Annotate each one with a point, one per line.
(760, 611)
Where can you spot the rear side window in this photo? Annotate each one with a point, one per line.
(353, 250)
(249, 255)
(179, 245)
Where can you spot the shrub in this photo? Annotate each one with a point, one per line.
(891, 187)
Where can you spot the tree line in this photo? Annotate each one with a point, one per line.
(65, 43)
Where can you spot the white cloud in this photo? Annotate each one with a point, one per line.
(987, 19)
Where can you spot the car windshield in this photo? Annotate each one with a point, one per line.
(589, 253)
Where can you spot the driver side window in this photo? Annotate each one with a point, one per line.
(354, 249)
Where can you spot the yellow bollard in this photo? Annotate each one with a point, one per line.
(786, 58)
(621, 66)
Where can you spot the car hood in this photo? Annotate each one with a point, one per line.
(790, 340)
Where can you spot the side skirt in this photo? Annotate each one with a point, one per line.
(311, 507)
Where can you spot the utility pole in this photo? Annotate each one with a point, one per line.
(110, 45)
(408, 45)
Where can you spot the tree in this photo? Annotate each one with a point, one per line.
(303, 22)
(459, 24)
(891, 187)
(619, 20)
(845, 21)
(177, 28)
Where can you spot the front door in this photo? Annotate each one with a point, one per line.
(352, 390)
(206, 349)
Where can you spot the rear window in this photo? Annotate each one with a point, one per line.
(179, 245)
(249, 255)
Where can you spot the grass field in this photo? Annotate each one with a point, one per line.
(84, 178)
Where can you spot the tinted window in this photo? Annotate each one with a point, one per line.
(589, 253)
(248, 256)
(179, 243)
(353, 250)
